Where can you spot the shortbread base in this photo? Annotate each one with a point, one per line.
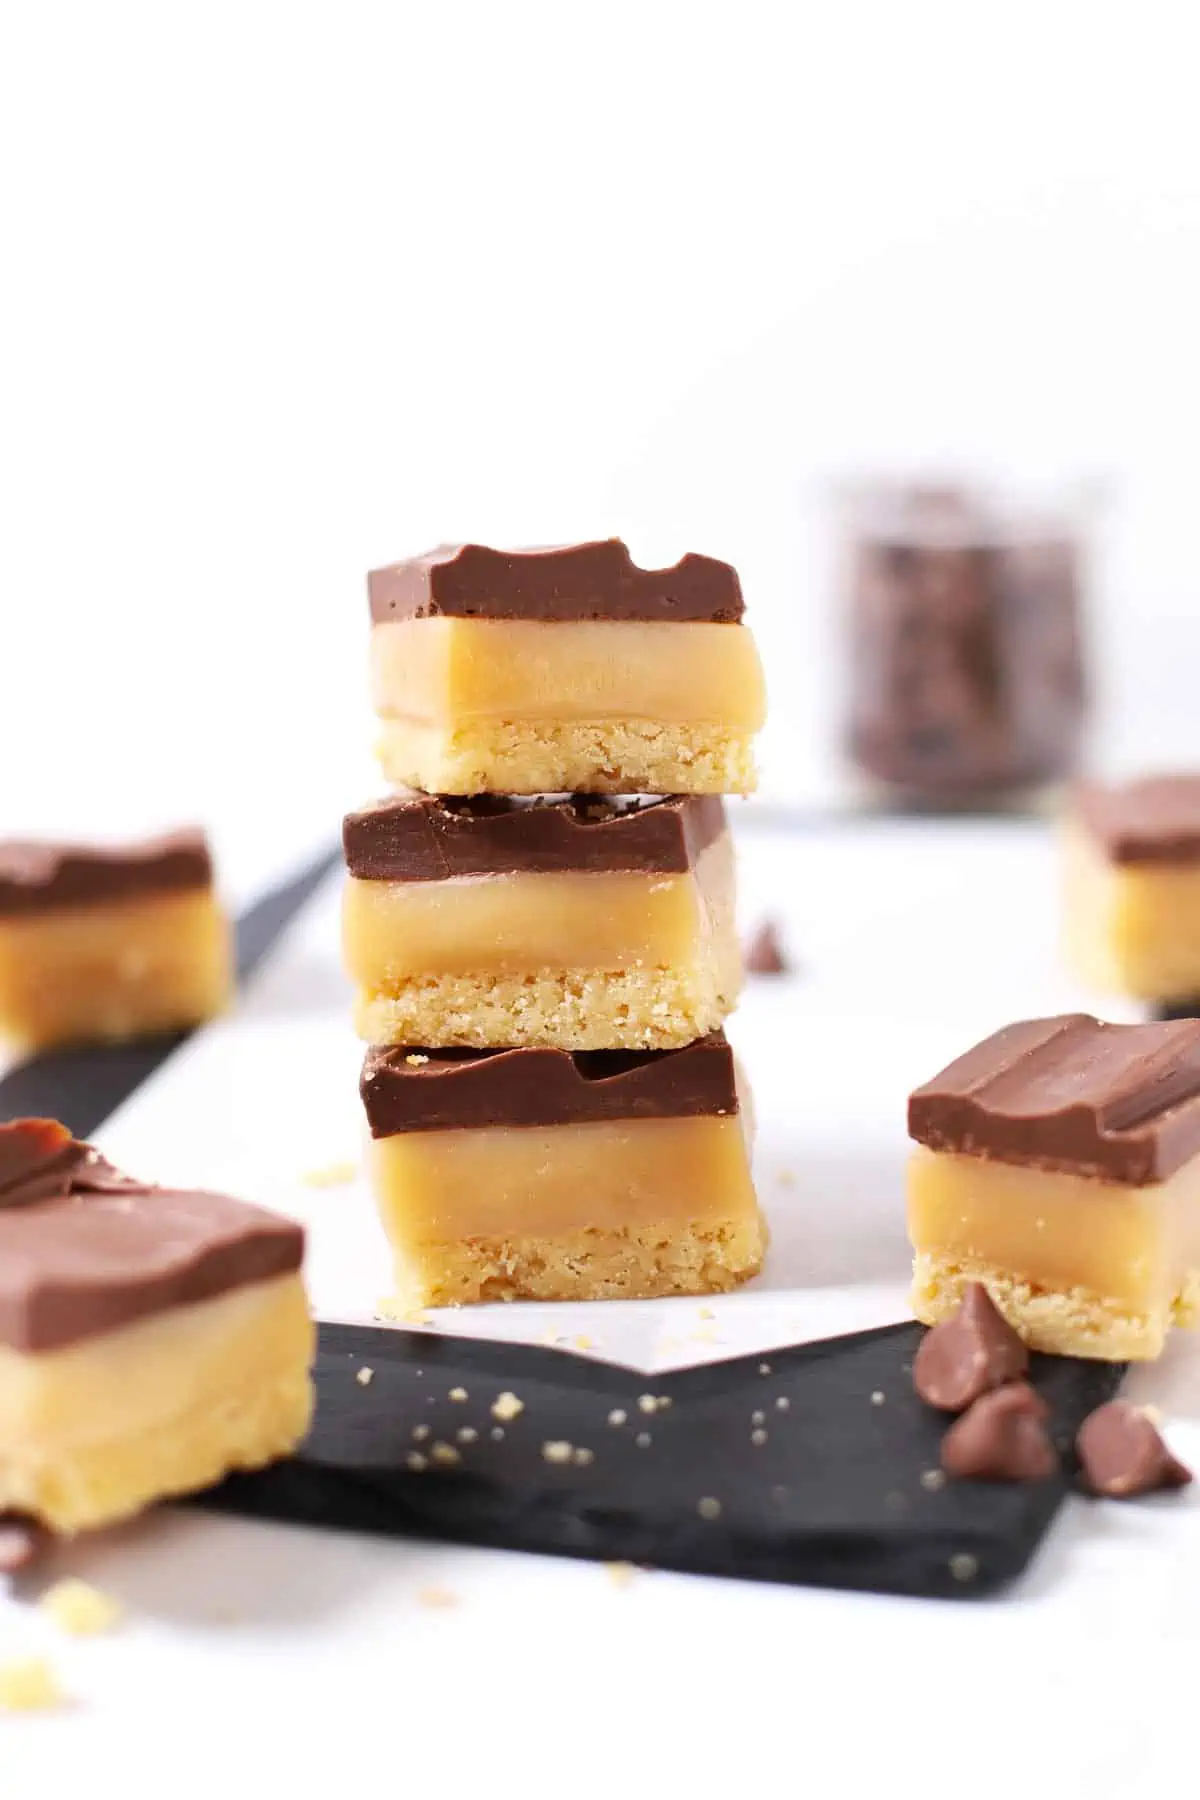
(536, 756)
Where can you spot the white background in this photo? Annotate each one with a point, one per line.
(286, 290)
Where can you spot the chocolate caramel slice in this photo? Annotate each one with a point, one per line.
(572, 921)
(150, 1337)
(40, 877)
(1059, 1165)
(542, 1174)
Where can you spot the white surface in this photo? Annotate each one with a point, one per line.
(315, 1649)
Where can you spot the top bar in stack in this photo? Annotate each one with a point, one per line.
(1133, 887)
(551, 670)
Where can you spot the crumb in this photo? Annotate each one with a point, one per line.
(506, 1406)
(643, 1440)
(438, 1597)
(758, 1418)
(466, 1434)
(647, 1403)
(28, 1684)
(664, 1400)
(782, 1404)
(877, 1398)
(416, 1461)
(764, 1368)
(617, 1416)
(583, 1342)
(557, 1450)
(620, 1573)
(708, 1508)
(932, 1480)
(583, 1456)
(445, 1453)
(786, 1178)
(497, 1432)
(420, 1433)
(416, 1061)
(332, 1175)
(758, 1437)
(365, 1377)
(706, 1312)
(80, 1609)
(459, 1395)
(964, 1567)
(895, 1501)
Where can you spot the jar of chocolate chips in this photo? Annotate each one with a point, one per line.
(967, 681)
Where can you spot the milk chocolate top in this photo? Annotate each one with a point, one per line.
(85, 1250)
(567, 582)
(459, 1090)
(38, 877)
(433, 837)
(1118, 1102)
(1155, 820)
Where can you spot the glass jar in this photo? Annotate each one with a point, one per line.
(965, 614)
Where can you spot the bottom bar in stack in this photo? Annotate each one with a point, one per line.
(538, 1174)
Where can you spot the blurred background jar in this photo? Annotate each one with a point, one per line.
(965, 610)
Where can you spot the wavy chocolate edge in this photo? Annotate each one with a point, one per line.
(462, 1090)
(435, 837)
(568, 582)
(40, 877)
(85, 1250)
(1142, 823)
(1071, 1094)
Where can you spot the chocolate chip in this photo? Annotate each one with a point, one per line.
(18, 1545)
(1002, 1438)
(967, 1354)
(764, 953)
(1121, 1453)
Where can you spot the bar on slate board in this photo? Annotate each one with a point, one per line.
(1059, 1164)
(102, 944)
(150, 1338)
(580, 922)
(540, 1175)
(566, 669)
(1133, 887)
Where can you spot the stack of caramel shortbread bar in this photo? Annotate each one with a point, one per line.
(539, 924)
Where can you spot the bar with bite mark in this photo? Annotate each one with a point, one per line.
(579, 922)
(151, 1338)
(1058, 1163)
(536, 1174)
(1132, 887)
(563, 669)
(103, 944)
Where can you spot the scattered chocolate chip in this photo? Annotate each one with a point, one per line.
(1121, 1453)
(764, 952)
(967, 1354)
(18, 1545)
(1002, 1437)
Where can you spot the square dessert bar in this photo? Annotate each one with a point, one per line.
(1060, 1166)
(150, 1339)
(540, 1175)
(583, 923)
(103, 944)
(1133, 887)
(554, 670)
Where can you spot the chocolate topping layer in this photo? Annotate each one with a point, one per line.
(1119, 1102)
(434, 837)
(102, 1250)
(1156, 820)
(460, 1090)
(564, 583)
(35, 878)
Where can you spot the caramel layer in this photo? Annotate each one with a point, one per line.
(454, 670)
(1131, 928)
(114, 970)
(95, 1431)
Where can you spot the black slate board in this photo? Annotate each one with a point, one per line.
(833, 1498)
(82, 1086)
